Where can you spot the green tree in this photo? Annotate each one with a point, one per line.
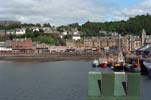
(46, 39)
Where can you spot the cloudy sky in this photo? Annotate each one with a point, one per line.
(60, 12)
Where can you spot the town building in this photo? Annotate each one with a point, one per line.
(57, 49)
(100, 42)
(20, 31)
(42, 48)
(144, 51)
(70, 43)
(35, 29)
(76, 37)
(5, 48)
(2, 32)
(88, 42)
(22, 45)
(64, 33)
(53, 49)
(131, 43)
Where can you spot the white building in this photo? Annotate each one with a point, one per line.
(57, 48)
(5, 48)
(35, 29)
(76, 37)
(10, 32)
(53, 49)
(64, 33)
(61, 48)
(76, 33)
(20, 31)
(47, 30)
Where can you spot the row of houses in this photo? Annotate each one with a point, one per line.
(126, 43)
(28, 46)
(21, 31)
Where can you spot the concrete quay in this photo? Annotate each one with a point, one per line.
(51, 56)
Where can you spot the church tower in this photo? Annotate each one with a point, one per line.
(143, 37)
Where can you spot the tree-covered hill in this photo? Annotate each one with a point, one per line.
(132, 26)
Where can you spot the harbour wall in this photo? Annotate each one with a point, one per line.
(51, 57)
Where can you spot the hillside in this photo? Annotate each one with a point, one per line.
(132, 26)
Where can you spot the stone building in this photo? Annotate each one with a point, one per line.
(22, 45)
(42, 48)
(70, 43)
(143, 37)
(126, 43)
(88, 42)
(100, 42)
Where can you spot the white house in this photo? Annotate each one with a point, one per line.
(53, 48)
(76, 37)
(61, 48)
(48, 30)
(35, 29)
(10, 32)
(64, 33)
(75, 33)
(20, 31)
(5, 49)
(57, 48)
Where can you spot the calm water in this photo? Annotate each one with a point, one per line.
(64, 80)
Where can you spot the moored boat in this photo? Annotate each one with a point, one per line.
(134, 66)
(119, 65)
(103, 63)
(95, 63)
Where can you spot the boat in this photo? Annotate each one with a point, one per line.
(119, 64)
(103, 63)
(95, 63)
(136, 66)
(148, 66)
(133, 66)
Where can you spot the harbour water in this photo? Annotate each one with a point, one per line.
(60, 80)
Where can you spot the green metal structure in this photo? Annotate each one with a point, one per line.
(114, 86)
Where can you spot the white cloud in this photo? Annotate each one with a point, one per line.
(53, 11)
(58, 12)
(142, 8)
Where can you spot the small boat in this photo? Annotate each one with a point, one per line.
(148, 66)
(128, 67)
(103, 63)
(95, 63)
(119, 65)
(134, 66)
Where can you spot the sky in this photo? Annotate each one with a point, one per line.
(62, 12)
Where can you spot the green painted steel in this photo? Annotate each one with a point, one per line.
(118, 84)
(114, 98)
(108, 84)
(93, 86)
(133, 84)
(111, 86)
